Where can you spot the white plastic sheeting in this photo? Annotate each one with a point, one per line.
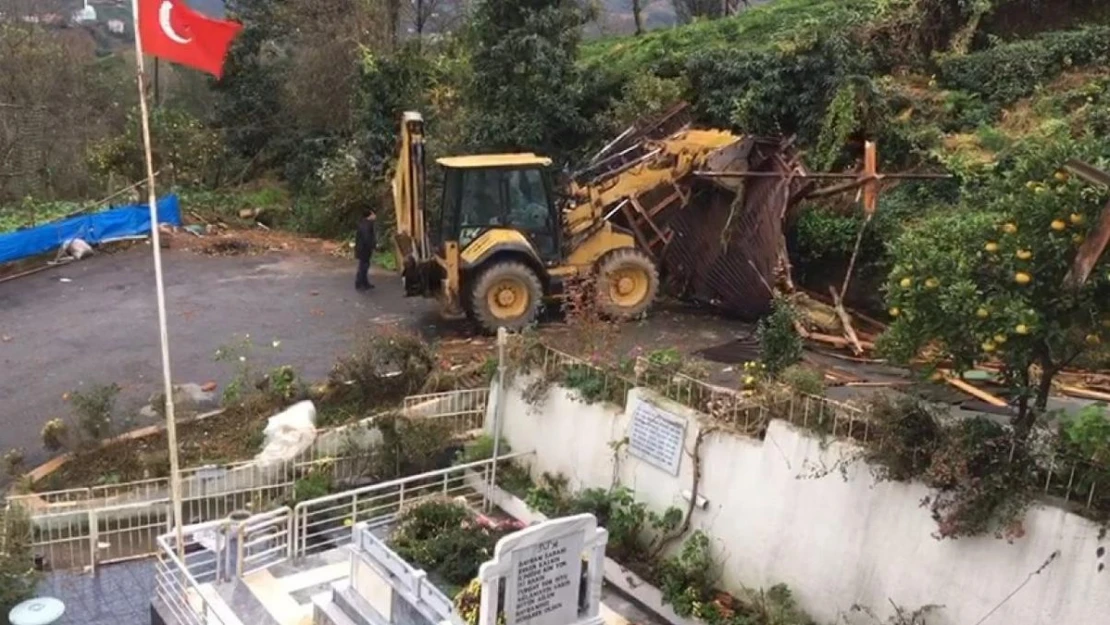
(288, 433)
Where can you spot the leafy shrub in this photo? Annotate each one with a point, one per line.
(383, 370)
(54, 434)
(441, 536)
(480, 449)
(803, 380)
(779, 343)
(985, 481)
(1087, 434)
(909, 433)
(551, 495)
(688, 580)
(13, 462)
(283, 384)
(186, 152)
(17, 571)
(94, 408)
(634, 530)
(317, 483)
(412, 445)
(643, 96)
(1010, 71)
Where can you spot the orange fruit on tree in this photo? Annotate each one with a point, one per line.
(982, 313)
(1010, 228)
(932, 283)
(1077, 219)
(894, 312)
(1022, 329)
(1061, 176)
(988, 346)
(1058, 225)
(1022, 278)
(1000, 338)
(1093, 339)
(991, 247)
(1024, 254)
(906, 283)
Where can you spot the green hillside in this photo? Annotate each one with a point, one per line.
(782, 23)
(942, 85)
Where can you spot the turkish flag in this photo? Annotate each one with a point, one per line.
(171, 30)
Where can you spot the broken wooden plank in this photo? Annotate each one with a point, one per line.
(837, 341)
(977, 393)
(1084, 393)
(1090, 251)
(846, 321)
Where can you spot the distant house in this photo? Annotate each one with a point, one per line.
(116, 27)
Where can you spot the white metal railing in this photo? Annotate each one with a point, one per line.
(81, 528)
(325, 523)
(184, 585)
(263, 541)
(464, 410)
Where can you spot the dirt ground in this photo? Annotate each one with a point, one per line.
(95, 322)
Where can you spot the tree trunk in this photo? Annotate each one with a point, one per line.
(1026, 415)
(393, 14)
(638, 15)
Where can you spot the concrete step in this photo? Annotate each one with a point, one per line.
(325, 611)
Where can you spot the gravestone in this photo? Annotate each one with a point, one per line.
(542, 569)
(656, 436)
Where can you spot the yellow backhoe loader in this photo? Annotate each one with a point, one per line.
(505, 239)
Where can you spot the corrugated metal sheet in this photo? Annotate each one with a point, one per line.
(726, 259)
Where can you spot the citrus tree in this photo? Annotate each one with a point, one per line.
(985, 280)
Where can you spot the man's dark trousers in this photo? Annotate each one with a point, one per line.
(362, 282)
(365, 242)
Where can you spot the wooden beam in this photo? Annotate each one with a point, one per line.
(1084, 393)
(870, 172)
(1089, 252)
(846, 321)
(977, 393)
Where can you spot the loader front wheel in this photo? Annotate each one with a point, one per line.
(627, 284)
(507, 295)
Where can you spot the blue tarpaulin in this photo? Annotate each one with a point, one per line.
(125, 221)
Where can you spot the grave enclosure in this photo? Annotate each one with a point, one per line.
(540, 569)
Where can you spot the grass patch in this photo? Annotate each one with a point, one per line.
(781, 24)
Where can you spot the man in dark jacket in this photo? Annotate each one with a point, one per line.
(365, 244)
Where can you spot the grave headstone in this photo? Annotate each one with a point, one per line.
(542, 569)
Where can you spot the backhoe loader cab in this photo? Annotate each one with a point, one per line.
(493, 192)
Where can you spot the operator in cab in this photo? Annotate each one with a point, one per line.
(365, 244)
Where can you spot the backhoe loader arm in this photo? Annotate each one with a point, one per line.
(411, 240)
(643, 168)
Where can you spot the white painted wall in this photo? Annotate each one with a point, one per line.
(835, 542)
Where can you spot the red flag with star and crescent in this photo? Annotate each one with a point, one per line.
(170, 30)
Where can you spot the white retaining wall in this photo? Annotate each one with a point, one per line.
(835, 541)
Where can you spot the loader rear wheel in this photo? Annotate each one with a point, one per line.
(627, 284)
(507, 295)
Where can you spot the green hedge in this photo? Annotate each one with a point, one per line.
(1008, 72)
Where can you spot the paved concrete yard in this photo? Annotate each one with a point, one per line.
(101, 326)
(95, 322)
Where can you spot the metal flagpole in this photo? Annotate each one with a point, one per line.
(498, 412)
(155, 243)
